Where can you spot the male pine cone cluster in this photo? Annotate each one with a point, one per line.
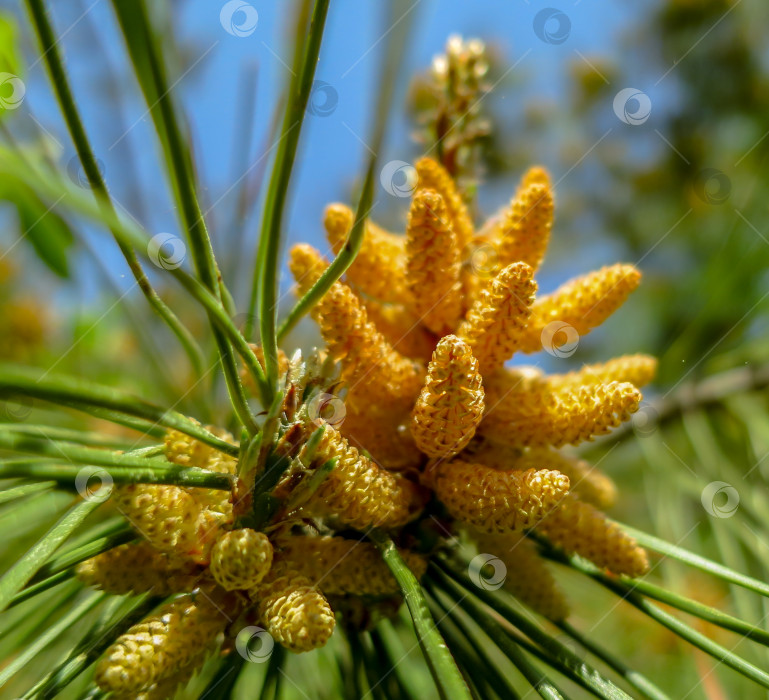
(422, 326)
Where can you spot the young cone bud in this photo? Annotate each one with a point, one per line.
(240, 559)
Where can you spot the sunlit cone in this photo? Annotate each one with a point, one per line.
(240, 559)
(497, 319)
(342, 566)
(401, 328)
(526, 228)
(433, 176)
(450, 405)
(433, 263)
(293, 611)
(528, 414)
(138, 568)
(378, 269)
(528, 577)
(160, 645)
(636, 369)
(583, 303)
(359, 492)
(579, 528)
(588, 482)
(496, 501)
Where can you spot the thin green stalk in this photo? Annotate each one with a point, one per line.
(70, 473)
(50, 185)
(695, 560)
(37, 588)
(22, 381)
(98, 638)
(80, 437)
(68, 106)
(16, 492)
(267, 265)
(350, 249)
(472, 656)
(145, 53)
(26, 567)
(494, 631)
(635, 679)
(448, 679)
(565, 657)
(51, 634)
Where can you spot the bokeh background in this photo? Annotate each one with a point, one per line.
(653, 119)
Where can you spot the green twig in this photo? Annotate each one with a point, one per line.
(265, 282)
(448, 679)
(68, 106)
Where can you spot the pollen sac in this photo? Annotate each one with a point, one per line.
(525, 412)
(526, 228)
(293, 611)
(138, 568)
(590, 484)
(360, 493)
(527, 577)
(341, 566)
(240, 559)
(579, 528)
(450, 405)
(433, 176)
(379, 268)
(433, 263)
(494, 501)
(160, 645)
(636, 369)
(583, 303)
(497, 320)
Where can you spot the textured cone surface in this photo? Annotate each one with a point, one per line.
(524, 411)
(293, 611)
(583, 303)
(351, 338)
(589, 483)
(497, 320)
(526, 227)
(636, 369)
(579, 528)
(433, 263)
(401, 328)
(157, 647)
(138, 568)
(433, 176)
(359, 492)
(450, 405)
(494, 501)
(339, 566)
(240, 559)
(379, 268)
(528, 577)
